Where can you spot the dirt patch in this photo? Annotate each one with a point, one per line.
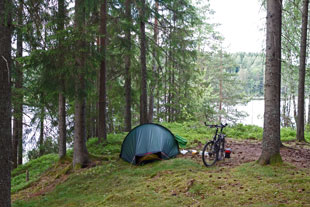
(244, 151)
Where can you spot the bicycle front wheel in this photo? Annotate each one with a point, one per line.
(209, 154)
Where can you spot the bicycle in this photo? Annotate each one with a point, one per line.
(214, 149)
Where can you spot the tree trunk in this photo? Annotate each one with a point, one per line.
(102, 131)
(14, 141)
(97, 85)
(5, 104)
(143, 87)
(80, 153)
(295, 109)
(127, 69)
(221, 88)
(271, 136)
(158, 96)
(88, 119)
(41, 137)
(173, 104)
(110, 118)
(154, 81)
(61, 98)
(18, 106)
(169, 91)
(308, 110)
(20, 147)
(165, 74)
(285, 110)
(170, 68)
(62, 126)
(301, 87)
(94, 117)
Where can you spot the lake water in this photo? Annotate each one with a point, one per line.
(255, 110)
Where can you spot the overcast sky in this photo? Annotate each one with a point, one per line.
(241, 22)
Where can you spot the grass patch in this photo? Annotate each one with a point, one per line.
(174, 182)
(112, 146)
(197, 131)
(35, 168)
(179, 182)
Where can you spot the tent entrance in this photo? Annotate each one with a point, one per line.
(148, 157)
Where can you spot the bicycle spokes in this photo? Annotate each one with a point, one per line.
(209, 154)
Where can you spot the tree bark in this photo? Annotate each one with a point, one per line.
(173, 104)
(127, 69)
(271, 136)
(158, 96)
(93, 119)
(41, 138)
(170, 68)
(221, 87)
(143, 86)
(18, 106)
(300, 135)
(102, 131)
(62, 150)
(20, 147)
(14, 142)
(294, 108)
(5, 103)
(88, 119)
(166, 91)
(154, 80)
(308, 110)
(97, 85)
(80, 153)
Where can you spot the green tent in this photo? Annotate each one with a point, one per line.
(149, 142)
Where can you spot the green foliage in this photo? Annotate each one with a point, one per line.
(35, 168)
(49, 146)
(244, 131)
(112, 146)
(191, 131)
(250, 68)
(222, 90)
(197, 131)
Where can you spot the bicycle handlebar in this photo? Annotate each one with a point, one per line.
(216, 126)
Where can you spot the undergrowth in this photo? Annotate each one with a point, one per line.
(35, 168)
(197, 131)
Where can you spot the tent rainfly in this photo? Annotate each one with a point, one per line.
(148, 142)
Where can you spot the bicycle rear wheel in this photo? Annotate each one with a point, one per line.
(209, 154)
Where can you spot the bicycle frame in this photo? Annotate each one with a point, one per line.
(218, 143)
(222, 126)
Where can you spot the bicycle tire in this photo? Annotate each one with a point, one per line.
(209, 154)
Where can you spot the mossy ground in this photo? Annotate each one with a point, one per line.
(174, 182)
(179, 182)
